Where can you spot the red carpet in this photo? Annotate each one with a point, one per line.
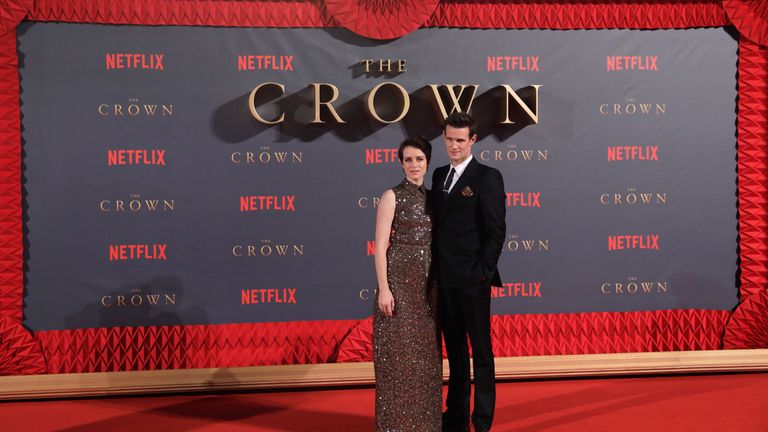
(731, 402)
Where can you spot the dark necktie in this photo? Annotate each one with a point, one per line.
(448, 181)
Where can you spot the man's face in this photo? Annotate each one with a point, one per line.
(458, 143)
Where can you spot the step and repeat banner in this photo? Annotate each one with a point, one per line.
(180, 175)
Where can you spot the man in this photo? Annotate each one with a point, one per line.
(469, 231)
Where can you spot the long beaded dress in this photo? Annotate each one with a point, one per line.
(407, 355)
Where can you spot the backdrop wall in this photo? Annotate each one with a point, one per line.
(622, 202)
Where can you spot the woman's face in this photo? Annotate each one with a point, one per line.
(414, 163)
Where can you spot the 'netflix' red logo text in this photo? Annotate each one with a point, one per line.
(380, 156)
(267, 202)
(517, 289)
(629, 63)
(134, 61)
(125, 252)
(523, 199)
(624, 242)
(516, 63)
(264, 62)
(136, 157)
(268, 295)
(622, 153)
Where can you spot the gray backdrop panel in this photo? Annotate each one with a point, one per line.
(66, 176)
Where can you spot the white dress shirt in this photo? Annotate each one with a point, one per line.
(459, 169)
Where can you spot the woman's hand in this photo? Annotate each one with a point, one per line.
(386, 302)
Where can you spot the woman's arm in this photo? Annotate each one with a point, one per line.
(384, 217)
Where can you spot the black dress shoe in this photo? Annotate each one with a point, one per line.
(450, 425)
(455, 428)
(481, 429)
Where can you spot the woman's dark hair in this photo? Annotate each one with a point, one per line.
(420, 143)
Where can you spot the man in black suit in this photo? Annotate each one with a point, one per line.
(469, 230)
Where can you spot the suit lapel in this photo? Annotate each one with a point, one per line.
(437, 192)
(466, 178)
(443, 203)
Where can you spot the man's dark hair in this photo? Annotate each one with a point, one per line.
(461, 120)
(420, 143)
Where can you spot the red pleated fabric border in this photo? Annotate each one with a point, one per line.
(234, 13)
(381, 19)
(194, 346)
(746, 328)
(11, 12)
(11, 246)
(753, 166)
(553, 14)
(232, 345)
(20, 353)
(579, 14)
(750, 17)
(145, 348)
(581, 333)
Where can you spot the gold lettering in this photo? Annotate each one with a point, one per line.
(372, 106)
(318, 102)
(455, 106)
(534, 116)
(252, 106)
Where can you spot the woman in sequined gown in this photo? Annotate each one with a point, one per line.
(406, 340)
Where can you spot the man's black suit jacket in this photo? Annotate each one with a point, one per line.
(469, 228)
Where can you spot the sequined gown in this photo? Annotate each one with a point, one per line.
(406, 347)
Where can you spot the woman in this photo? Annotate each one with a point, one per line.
(406, 340)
